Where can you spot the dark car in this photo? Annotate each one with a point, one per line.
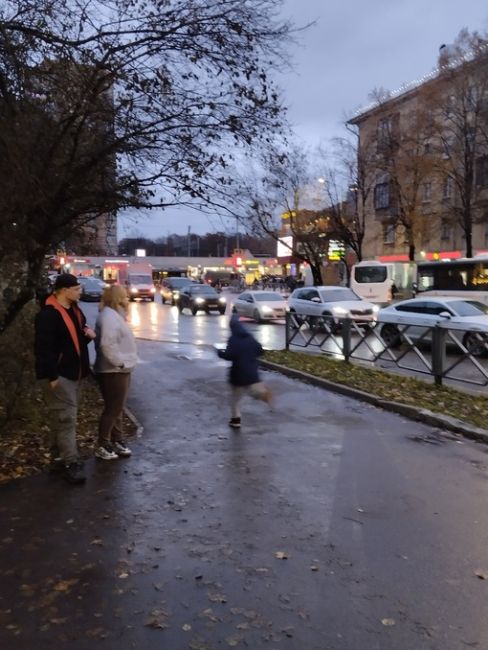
(200, 297)
(91, 289)
(171, 287)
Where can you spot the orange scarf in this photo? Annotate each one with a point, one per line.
(54, 302)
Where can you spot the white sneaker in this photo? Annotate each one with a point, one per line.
(121, 449)
(106, 453)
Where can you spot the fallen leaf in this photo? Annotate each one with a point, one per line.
(388, 622)
(482, 575)
(65, 585)
(280, 555)
(186, 627)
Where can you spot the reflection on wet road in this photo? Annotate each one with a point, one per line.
(157, 322)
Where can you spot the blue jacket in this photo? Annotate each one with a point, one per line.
(243, 350)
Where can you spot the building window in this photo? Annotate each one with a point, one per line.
(447, 146)
(382, 196)
(389, 234)
(426, 192)
(445, 230)
(482, 171)
(383, 132)
(448, 187)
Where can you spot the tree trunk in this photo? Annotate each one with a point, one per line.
(468, 233)
(316, 274)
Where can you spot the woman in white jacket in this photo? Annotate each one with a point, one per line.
(116, 358)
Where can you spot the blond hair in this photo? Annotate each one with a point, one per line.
(114, 296)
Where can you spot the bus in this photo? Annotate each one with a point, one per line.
(372, 281)
(463, 278)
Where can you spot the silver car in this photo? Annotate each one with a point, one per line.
(333, 302)
(260, 305)
(468, 318)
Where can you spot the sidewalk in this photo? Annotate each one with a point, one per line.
(208, 539)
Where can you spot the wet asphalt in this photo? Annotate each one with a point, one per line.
(324, 524)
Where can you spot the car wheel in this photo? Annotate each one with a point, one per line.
(326, 320)
(298, 319)
(222, 311)
(475, 345)
(194, 311)
(180, 307)
(256, 315)
(234, 310)
(163, 299)
(391, 335)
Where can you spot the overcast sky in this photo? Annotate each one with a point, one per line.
(355, 46)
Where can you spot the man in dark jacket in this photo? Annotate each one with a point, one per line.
(61, 353)
(243, 350)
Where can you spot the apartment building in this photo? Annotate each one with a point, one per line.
(423, 153)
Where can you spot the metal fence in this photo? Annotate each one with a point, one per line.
(442, 351)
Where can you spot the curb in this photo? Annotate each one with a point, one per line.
(420, 415)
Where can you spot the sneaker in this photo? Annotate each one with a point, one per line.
(105, 453)
(235, 423)
(121, 449)
(73, 473)
(56, 466)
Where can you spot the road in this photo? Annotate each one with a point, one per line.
(158, 322)
(324, 524)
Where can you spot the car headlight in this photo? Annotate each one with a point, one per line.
(134, 290)
(176, 294)
(199, 300)
(222, 300)
(340, 310)
(266, 309)
(153, 290)
(375, 309)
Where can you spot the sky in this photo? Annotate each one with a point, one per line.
(354, 47)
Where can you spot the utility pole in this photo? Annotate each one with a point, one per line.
(237, 232)
(189, 241)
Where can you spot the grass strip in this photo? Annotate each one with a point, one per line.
(444, 400)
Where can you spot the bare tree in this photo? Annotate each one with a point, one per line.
(404, 172)
(106, 104)
(459, 100)
(348, 183)
(280, 200)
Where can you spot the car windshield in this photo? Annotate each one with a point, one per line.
(90, 284)
(371, 273)
(140, 279)
(468, 307)
(336, 295)
(268, 297)
(180, 282)
(199, 289)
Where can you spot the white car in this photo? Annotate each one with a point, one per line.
(467, 318)
(333, 302)
(260, 305)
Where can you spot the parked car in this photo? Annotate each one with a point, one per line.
(200, 297)
(91, 289)
(260, 305)
(333, 303)
(171, 287)
(425, 313)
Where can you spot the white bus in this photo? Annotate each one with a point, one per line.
(372, 281)
(464, 278)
